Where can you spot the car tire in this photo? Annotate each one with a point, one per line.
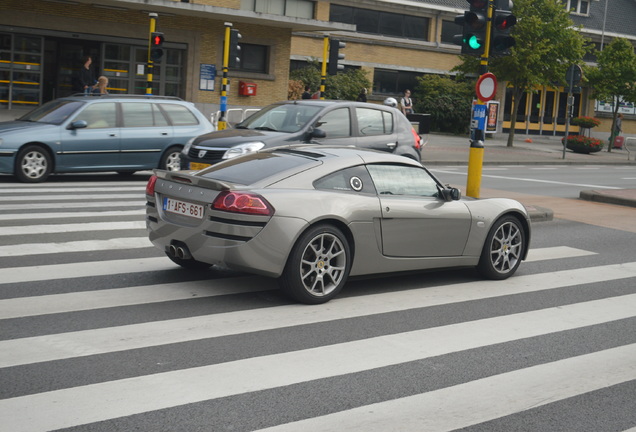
(33, 164)
(503, 249)
(318, 265)
(171, 160)
(189, 264)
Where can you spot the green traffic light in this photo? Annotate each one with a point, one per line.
(474, 42)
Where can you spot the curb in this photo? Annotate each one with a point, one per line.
(539, 214)
(607, 197)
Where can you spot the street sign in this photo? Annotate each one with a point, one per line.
(573, 75)
(486, 87)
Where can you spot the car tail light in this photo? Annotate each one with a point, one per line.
(418, 140)
(240, 202)
(150, 186)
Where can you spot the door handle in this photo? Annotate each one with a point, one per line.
(391, 145)
(112, 135)
(164, 133)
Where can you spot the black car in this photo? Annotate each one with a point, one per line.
(346, 123)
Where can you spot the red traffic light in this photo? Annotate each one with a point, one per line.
(156, 39)
(478, 4)
(505, 22)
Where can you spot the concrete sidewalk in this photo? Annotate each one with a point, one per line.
(533, 150)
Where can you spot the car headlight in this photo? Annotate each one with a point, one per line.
(242, 149)
(186, 149)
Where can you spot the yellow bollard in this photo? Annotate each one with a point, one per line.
(475, 163)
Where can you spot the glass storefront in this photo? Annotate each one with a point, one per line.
(20, 70)
(36, 69)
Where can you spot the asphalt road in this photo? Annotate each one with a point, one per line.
(100, 332)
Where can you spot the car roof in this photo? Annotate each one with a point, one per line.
(345, 153)
(94, 97)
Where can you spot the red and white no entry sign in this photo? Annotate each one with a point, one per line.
(486, 87)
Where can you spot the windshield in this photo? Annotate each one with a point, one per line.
(281, 118)
(54, 112)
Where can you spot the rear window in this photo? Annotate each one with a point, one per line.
(252, 168)
(180, 115)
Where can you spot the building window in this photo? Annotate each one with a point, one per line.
(578, 6)
(291, 8)
(254, 58)
(392, 82)
(449, 29)
(381, 23)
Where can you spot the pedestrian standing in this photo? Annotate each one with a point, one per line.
(406, 103)
(362, 97)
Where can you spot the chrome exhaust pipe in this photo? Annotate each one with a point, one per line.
(183, 253)
(172, 250)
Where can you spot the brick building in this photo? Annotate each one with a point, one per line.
(41, 42)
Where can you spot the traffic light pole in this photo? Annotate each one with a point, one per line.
(222, 123)
(153, 25)
(323, 71)
(476, 154)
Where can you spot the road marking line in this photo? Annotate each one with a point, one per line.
(69, 215)
(30, 249)
(105, 340)
(118, 297)
(543, 254)
(14, 275)
(482, 400)
(69, 205)
(98, 402)
(68, 228)
(538, 181)
(74, 197)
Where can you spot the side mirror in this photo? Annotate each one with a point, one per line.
(79, 124)
(451, 194)
(318, 133)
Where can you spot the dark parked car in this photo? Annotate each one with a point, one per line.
(123, 133)
(346, 123)
(312, 215)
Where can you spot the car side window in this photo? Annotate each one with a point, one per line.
(336, 123)
(135, 114)
(354, 179)
(179, 115)
(99, 115)
(374, 121)
(402, 180)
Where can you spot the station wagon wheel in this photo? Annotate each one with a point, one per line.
(503, 249)
(318, 265)
(171, 160)
(33, 164)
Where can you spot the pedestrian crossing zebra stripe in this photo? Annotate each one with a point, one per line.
(13, 275)
(31, 249)
(99, 341)
(70, 205)
(68, 302)
(76, 197)
(97, 402)
(118, 297)
(70, 215)
(64, 189)
(68, 228)
(485, 399)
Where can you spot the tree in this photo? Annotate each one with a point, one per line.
(448, 101)
(345, 85)
(614, 77)
(547, 43)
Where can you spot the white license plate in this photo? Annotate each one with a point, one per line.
(183, 208)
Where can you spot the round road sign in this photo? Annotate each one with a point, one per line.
(486, 87)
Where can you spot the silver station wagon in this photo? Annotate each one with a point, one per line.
(123, 133)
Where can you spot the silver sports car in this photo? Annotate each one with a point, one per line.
(313, 215)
